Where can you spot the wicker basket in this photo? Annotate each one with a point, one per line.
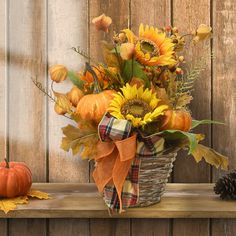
(153, 176)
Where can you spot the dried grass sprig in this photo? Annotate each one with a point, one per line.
(43, 89)
(84, 54)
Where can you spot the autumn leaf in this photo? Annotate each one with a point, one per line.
(111, 59)
(9, 204)
(211, 156)
(38, 194)
(162, 95)
(80, 140)
(183, 100)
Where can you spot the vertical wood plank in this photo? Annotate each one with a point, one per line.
(107, 227)
(151, 227)
(119, 12)
(224, 94)
(157, 13)
(27, 44)
(3, 92)
(67, 27)
(186, 17)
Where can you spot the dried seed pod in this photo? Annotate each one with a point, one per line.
(58, 73)
(75, 95)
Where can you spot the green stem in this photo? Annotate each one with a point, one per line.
(7, 163)
(97, 88)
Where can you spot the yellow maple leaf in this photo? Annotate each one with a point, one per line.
(183, 100)
(211, 156)
(9, 204)
(38, 194)
(80, 140)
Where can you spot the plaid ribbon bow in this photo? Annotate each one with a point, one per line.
(113, 158)
(117, 170)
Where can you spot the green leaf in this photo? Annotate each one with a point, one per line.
(196, 123)
(178, 134)
(133, 69)
(75, 79)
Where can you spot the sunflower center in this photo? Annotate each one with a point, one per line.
(148, 46)
(136, 107)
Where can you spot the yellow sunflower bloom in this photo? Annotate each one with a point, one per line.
(136, 105)
(152, 47)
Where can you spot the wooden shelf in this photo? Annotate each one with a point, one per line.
(83, 201)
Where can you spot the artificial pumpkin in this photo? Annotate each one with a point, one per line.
(15, 179)
(177, 120)
(92, 107)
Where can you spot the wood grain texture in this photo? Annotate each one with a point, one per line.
(119, 12)
(3, 92)
(187, 18)
(72, 200)
(67, 28)
(27, 39)
(224, 93)
(107, 227)
(150, 227)
(157, 13)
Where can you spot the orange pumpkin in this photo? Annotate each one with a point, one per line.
(15, 179)
(177, 119)
(93, 106)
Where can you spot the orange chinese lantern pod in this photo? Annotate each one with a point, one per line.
(59, 110)
(15, 179)
(92, 107)
(75, 95)
(58, 73)
(177, 120)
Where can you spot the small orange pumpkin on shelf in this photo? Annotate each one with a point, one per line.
(176, 120)
(93, 106)
(15, 179)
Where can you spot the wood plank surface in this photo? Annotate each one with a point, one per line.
(72, 200)
(67, 28)
(224, 94)
(187, 18)
(27, 46)
(158, 14)
(119, 12)
(3, 92)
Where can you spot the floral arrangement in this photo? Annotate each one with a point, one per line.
(142, 89)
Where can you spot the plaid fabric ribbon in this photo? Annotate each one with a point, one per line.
(111, 130)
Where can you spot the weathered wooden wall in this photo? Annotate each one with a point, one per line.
(37, 32)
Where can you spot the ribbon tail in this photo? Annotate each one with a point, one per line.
(120, 172)
(102, 173)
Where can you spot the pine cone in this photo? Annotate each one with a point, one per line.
(226, 186)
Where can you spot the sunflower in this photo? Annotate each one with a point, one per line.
(152, 47)
(136, 105)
